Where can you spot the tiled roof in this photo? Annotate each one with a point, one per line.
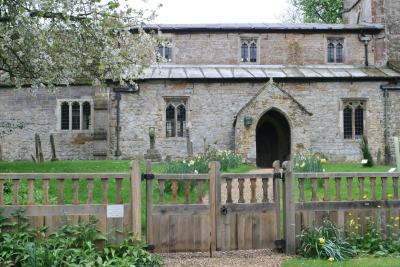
(176, 72)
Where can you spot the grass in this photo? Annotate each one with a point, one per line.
(356, 262)
(343, 184)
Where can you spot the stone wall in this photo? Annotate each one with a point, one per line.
(38, 113)
(213, 106)
(274, 48)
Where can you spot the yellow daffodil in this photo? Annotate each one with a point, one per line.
(397, 218)
(351, 222)
(331, 259)
(321, 240)
(365, 197)
(378, 206)
(356, 227)
(323, 161)
(302, 165)
(349, 213)
(389, 195)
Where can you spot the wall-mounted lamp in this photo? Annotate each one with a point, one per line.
(248, 121)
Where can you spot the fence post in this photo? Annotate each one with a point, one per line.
(149, 204)
(289, 208)
(397, 152)
(277, 197)
(136, 195)
(215, 201)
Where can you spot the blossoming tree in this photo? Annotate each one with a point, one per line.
(45, 43)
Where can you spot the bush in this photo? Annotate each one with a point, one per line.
(366, 152)
(70, 245)
(325, 242)
(307, 162)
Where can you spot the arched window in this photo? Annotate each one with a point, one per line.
(244, 54)
(348, 122)
(331, 53)
(76, 116)
(359, 121)
(65, 116)
(86, 116)
(339, 53)
(253, 52)
(170, 121)
(181, 118)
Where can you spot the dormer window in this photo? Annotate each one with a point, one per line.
(335, 51)
(248, 50)
(165, 52)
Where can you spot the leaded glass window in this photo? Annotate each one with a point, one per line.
(170, 121)
(165, 51)
(65, 116)
(331, 53)
(335, 51)
(75, 114)
(76, 119)
(353, 119)
(176, 117)
(347, 123)
(248, 50)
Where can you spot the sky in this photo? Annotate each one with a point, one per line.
(217, 11)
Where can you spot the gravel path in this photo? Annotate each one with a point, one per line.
(238, 258)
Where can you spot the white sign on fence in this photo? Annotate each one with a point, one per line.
(115, 211)
(364, 161)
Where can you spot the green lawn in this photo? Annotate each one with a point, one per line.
(357, 262)
(343, 185)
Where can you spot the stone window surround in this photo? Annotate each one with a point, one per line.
(171, 98)
(70, 101)
(341, 119)
(249, 38)
(335, 39)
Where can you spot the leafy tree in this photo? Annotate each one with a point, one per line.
(44, 43)
(319, 11)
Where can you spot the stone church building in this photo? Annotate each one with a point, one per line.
(261, 90)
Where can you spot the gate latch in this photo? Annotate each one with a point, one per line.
(278, 175)
(147, 176)
(224, 210)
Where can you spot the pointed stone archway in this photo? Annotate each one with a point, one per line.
(273, 138)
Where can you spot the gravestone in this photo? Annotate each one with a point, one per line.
(152, 153)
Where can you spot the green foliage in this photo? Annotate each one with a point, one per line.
(320, 11)
(325, 242)
(373, 240)
(364, 147)
(70, 245)
(308, 162)
(199, 164)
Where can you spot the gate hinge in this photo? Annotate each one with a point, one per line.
(147, 176)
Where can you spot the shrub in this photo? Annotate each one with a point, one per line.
(325, 242)
(70, 245)
(364, 147)
(307, 162)
(373, 240)
(199, 164)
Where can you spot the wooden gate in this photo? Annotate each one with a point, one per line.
(188, 220)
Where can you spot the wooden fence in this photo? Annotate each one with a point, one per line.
(204, 212)
(120, 216)
(348, 199)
